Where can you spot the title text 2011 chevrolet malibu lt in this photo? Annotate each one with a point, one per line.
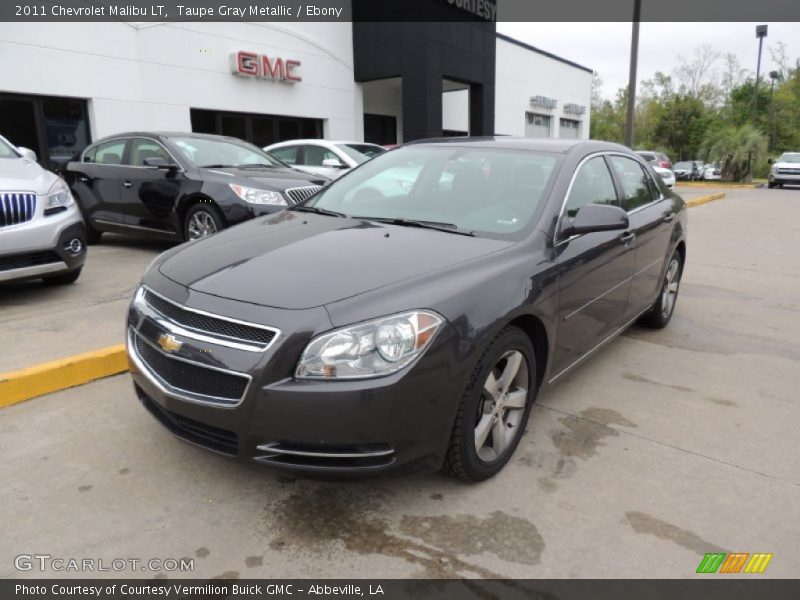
(407, 315)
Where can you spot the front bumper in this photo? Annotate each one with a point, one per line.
(790, 178)
(400, 422)
(38, 247)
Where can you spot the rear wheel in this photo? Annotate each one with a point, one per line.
(494, 408)
(661, 312)
(201, 221)
(64, 279)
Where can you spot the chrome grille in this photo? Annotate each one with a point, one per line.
(16, 207)
(299, 194)
(216, 327)
(212, 385)
(789, 171)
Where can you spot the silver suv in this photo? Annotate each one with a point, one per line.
(41, 229)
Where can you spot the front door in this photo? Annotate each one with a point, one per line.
(650, 214)
(149, 195)
(97, 180)
(594, 271)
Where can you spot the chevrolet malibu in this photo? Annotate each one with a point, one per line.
(361, 333)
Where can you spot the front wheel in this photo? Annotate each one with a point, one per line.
(771, 184)
(661, 312)
(494, 408)
(201, 221)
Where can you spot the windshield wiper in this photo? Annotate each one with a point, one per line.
(437, 225)
(316, 210)
(217, 166)
(255, 166)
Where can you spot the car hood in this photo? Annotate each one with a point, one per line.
(299, 260)
(277, 179)
(23, 175)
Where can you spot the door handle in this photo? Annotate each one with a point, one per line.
(627, 237)
(668, 217)
(127, 184)
(83, 179)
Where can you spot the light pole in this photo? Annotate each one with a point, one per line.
(637, 10)
(761, 33)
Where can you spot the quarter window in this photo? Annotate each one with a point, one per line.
(592, 185)
(634, 179)
(108, 153)
(314, 155)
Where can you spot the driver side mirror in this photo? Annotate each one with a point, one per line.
(595, 217)
(27, 153)
(333, 163)
(770, 161)
(157, 162)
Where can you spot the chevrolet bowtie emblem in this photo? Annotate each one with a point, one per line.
(168, 343)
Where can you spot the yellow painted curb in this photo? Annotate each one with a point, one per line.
(24, 384)
(716, 183)
(703, 199)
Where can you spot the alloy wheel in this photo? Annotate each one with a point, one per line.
(502, 406)
(669, 293)
(201, 224)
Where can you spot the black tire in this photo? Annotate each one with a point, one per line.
(660, 314)
(206, 212)
(771, 184)
(92, 235)
(462, 459)
(63, 279)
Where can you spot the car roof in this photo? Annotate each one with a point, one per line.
(563, 146)
(166, 134)
(319, 141)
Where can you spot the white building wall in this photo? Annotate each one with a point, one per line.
(522, 73)
(384, 97)
(148, 76)
(455, 110)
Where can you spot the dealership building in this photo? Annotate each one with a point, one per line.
(66, 84)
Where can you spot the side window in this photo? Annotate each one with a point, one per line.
(142, 148)
(314, 155)
(287, 154)
(635, 187)
(88, 156)
(592, 185)
(110, 153)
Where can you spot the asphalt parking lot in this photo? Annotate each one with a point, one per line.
(663, 447)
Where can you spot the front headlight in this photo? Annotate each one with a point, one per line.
(58, 195)
(774, 169)
(256, 196)
(370, 349)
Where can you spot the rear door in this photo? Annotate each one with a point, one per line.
(149, 195)
(595, 270)
(96, 182)
(650, 214)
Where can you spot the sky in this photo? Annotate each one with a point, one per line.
(605, 47)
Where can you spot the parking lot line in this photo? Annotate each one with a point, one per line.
(24, 384)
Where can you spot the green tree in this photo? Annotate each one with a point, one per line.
(737, 149)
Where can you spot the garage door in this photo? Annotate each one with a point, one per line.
(568, 128)
(537, 126)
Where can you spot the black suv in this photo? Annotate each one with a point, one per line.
(180, 186)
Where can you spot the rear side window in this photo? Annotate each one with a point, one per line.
(592, 185)
(287, 154)
(637, 187)
(108, 153)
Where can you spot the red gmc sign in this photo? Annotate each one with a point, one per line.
(250, 64)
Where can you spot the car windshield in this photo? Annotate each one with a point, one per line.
(489, 192)
(360, 152)
(790, 157)
(219, 153)
(683, 165)
(7, 150)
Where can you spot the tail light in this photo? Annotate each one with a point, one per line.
(666, 164)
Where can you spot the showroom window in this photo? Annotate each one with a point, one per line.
(536, 125)
(569, 128)
(261, 130)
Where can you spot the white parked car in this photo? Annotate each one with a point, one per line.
(667, 175)
(324, 157)
(712, 172)
(785, 170)
(41, 229)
